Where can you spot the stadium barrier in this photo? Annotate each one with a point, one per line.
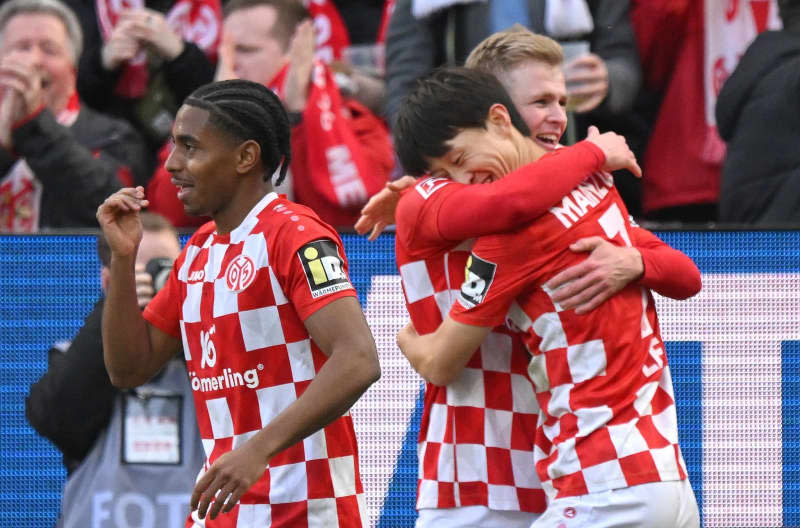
(734, 351)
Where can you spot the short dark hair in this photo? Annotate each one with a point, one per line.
(441, 105)
(248, 110)
(151, 222)
(290, 14)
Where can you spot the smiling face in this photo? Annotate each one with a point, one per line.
(258, 55)
(478, 155)
(540, 94)
(202, 164)
(41, 41)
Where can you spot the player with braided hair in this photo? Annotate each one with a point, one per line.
(276, 346)
(241, 108)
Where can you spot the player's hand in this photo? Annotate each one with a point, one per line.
(379, 210)
(228, 478)
(152, 30)
(118, 217)
(144, 286)
(618, 153)
(606, 271)
(587, 82)
(406, 338)
(301, 62)
(120, 47)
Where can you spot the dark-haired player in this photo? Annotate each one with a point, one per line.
(606, 450)
(276, 345)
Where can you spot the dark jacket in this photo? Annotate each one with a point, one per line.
(79, 166)
(414, 47)
(71, 403)
(758, 115)
(97, 86)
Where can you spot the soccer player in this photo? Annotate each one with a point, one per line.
(606, 443)
(484, 416)
(276, 345)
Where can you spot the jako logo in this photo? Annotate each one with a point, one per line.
(209, 358)
(197, 276)
(240, 273)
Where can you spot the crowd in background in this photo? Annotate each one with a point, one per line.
(88, 97)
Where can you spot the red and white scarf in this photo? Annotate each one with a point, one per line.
(329, 29)
(21, 191)
(197, 21)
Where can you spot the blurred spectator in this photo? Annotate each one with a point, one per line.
(131, 456)
(143, 57)
(359, 65)
(341, 152)
(688, 48)
(758, 112)
(58, 158)
(602, 76)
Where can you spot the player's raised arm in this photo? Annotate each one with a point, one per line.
(133, 349)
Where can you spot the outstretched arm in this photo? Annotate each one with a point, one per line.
(440, 356)
(340, 330)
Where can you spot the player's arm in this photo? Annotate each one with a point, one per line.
(667, 271)
(133, 350)
(497, 272)
(440, 356)
(469, 211)
(525, 194)
(609, 268)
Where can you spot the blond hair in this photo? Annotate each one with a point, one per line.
(503, 51)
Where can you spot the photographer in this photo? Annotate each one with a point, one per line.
(131, 456)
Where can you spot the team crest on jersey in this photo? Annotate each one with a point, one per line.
(240, 273)
(324, 268)
(479, 275)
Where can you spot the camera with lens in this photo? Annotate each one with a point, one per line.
(159, 269)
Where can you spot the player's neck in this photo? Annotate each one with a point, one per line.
(529, 151)
(246, 197)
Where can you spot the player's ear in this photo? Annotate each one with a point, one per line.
(248, 155)
(499, 119)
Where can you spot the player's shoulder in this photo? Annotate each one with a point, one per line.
(289, 224)
(418, 206)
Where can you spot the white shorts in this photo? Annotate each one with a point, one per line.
(472, 516)
(653, 505)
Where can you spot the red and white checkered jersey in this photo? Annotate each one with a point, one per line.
(238, 302)
(476, 435)
(601, 379)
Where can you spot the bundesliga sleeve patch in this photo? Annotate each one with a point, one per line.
(479, 275)
(324, 268)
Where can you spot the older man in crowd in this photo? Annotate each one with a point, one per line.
(58, 158)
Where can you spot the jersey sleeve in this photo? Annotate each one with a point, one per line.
(417, 212)
(667, 271)
(497, 272)
(312, 269)
(163, 311)
(518, 198)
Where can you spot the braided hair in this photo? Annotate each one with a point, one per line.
(248, 110)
